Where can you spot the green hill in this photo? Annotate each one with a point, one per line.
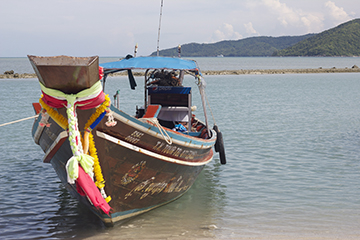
(343, 40)
(253, 46)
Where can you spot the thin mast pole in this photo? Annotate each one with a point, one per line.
(158, 41)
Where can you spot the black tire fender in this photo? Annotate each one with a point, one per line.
(219, 145)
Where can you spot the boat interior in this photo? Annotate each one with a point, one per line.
(170, 102)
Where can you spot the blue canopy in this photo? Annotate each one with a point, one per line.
(150, 63)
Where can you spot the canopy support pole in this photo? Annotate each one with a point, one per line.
(104, 80)
(201, 84)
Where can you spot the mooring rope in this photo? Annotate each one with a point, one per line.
(20, 120)
(162, 131)
(207, 101)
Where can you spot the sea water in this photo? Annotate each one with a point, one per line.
(22, 64)
(293, 172)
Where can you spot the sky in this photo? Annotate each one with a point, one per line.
(113, 27)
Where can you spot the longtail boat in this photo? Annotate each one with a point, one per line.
(122, 165)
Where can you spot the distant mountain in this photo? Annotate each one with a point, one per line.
(343, 40)
(253, 46)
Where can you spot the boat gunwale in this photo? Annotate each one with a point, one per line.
(194, 142)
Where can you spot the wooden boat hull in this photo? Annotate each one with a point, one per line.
(143, 161)
(141, 170)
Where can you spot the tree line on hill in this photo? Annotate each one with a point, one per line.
(343, 40)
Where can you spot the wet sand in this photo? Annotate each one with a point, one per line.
(226, 72)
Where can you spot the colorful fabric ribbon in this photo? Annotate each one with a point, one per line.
(86, 99)
(56, 98)
(85, 185)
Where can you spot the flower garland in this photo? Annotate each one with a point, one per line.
(103, 107)
(88, 139)
(70, 124)
(57, 117)
(89, 145)
(100, 182)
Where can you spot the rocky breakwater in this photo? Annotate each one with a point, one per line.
(283, 71)
(12, 74)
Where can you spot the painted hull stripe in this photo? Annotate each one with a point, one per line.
(149, 153)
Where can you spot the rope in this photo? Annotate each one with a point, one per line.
(20, 120)
(202, 84)
(212, 115)
(86, 161)
(167, 138)
(199, 83)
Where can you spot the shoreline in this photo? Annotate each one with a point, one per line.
(282, 71)
(354, 69)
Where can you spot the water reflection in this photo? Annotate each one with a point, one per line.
(72, 219)
(194, 215)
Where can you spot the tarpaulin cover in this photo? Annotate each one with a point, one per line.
(150, 63)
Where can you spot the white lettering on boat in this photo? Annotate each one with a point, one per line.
(134, 137)
(174, 150)
(149, 187)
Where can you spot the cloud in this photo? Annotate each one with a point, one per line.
(294, 18)
(312, 22)
(285, 14)
(336, 14)
(226, 32)
(250, 29)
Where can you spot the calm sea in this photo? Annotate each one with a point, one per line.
(22, 65)
(292, 144)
